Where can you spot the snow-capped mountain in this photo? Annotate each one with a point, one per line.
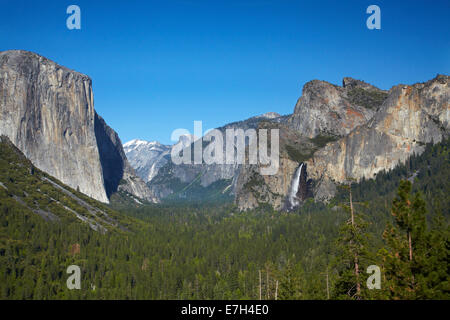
(152, 162)
(146, 157)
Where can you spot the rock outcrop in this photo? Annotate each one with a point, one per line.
(47, 111)
(118, 174)
(411, 116)
(201, 176)
(254, 189)
(357, 130)
(147, 157)
(327, 109)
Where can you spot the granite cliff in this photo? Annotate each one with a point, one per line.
(328, 109)
(410, 117)
(47, 111)
(354, 131)
(192, 181)
(147, 157)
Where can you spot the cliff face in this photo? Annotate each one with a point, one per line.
(118, 175)
(206, 177)
(253, 189)
(47, 111)
(369, 129)
(327, 109)
(147, 157)
(325, 112)
(410, 117)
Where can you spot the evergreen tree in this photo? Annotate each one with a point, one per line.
(289, 285)
(436, 282)
(415, 260)
(352, 254)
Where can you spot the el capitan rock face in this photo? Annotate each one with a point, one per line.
(48, 112)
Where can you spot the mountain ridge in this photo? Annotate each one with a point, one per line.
(325, 115)
(47, 111)
(26, 187)
(167, 182)
(419, 113)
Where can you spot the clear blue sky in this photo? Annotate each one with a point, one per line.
(160, 65)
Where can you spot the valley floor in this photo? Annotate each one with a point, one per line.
(217, 252)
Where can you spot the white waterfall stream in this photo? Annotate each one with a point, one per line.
(292, 198)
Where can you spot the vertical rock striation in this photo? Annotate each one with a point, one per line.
(410, 117)
(371, 130)
(117, 172)
(147, 157)
(199, 175)
(47, 111)
(327, 109)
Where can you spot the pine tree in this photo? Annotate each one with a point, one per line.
(406, 254)
(352, 251)
(437, 280)
(289, 285)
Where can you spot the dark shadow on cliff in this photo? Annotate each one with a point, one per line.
(111, 157)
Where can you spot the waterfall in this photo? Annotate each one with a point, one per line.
(293, 200)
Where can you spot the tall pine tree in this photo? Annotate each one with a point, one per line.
(415, 260)
(352, 254)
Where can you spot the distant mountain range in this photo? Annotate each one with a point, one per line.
(339, 133)
(335, 133)
(147, 157)
(151, 160)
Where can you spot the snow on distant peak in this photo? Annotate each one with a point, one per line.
(270, 115)
(137, 142)
(146, 157)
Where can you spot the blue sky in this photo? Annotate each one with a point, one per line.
(159, 65)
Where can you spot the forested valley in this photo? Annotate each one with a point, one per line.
(398, 221)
